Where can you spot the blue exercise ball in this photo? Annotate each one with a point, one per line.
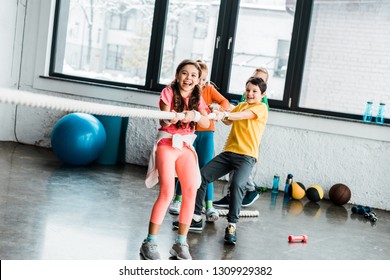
(78, 138)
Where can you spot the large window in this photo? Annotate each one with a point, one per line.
(263, 38)
(189, 33)
(107, 41)
(347, 60)
(324, 57)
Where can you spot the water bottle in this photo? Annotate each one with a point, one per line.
(288, 182)
(367, 117)
(275, 186)
(380, 117)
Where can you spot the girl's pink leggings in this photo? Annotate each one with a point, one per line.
(169, 159)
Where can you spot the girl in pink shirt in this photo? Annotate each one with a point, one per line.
(174, 155)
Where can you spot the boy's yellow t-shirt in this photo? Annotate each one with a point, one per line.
(245, 135)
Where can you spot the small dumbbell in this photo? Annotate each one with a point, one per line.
(371, 216)
(300, 238)
(361, 210)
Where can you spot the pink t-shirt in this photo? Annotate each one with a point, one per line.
(166, 97)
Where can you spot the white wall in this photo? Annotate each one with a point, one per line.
(8, 26)
(317, 150)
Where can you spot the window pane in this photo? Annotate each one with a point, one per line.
(348, 58)
(263, 39)
(104, 39)
(189, 33)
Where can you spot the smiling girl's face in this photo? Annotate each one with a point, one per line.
(188, 78)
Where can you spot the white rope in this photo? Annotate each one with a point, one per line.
(18, 97)
(243, 213)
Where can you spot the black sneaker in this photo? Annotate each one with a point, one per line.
(230, 235)
(195, 226)
(223, 202)
(249, 198)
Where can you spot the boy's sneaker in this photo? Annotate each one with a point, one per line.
(149, 250)
(223, 202)
(230, 235)
(195, 226)
(211, 215)
(174, 207)
(181, 251)
(249, 198)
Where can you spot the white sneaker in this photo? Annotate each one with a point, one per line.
(212, 215)
(174, 207)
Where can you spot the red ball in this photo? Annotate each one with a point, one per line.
(339, 194)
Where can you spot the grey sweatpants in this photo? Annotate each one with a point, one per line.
(250, 185)
(219, 166)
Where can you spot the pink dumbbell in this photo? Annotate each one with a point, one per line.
(299, 238)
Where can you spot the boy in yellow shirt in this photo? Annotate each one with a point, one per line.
(251, 193)
(248, 120)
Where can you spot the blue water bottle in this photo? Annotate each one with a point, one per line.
(275, 185)
(367, 117)
(380, 117)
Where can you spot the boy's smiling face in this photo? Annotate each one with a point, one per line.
(253, 93)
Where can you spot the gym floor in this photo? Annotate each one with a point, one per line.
(49, 210)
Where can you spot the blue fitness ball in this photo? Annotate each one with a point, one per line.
(78, 138)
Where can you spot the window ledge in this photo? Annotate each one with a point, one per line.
(329, 124)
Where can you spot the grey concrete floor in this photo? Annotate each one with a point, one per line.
(49, 210)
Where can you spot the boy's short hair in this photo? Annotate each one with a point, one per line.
(257, 81)
(261, 70)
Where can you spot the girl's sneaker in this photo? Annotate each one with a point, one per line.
(211, 215)
(174, 207)
(181, 251)
(149, 250)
